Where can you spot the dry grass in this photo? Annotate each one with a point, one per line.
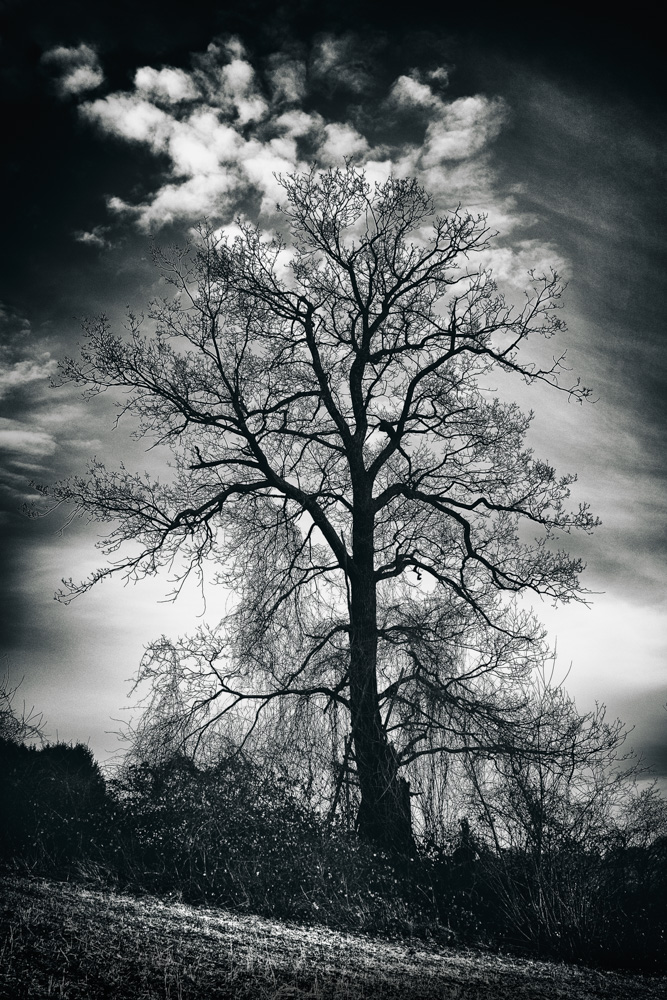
(61, 940)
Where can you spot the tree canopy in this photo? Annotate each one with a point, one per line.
(337, 455)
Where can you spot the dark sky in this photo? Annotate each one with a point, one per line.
(128, 121)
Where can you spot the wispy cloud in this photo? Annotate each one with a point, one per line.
(166, 84)
(228, 81)
(96, 237)
(18, 438)
(12, 325)
(226, 127)
(22, 362)
(80, 68)
(340, 63)
(22, 373)
(287, 79)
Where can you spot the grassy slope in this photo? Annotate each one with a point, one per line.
(61, 940)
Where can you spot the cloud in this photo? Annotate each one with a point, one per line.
(80, 68)
(455, 130)
(66, 415)
(224, 129)
(510, 264)
(208, 195)
(167, 84)
(22, 373)
(213, 163)
(440, 76)
(462, 128)
(342, 140)
(228, 81)
(21, 363)
(287, 78)
(22, 439)
(130, 116)
(296, 124)
(95, 238)
(16, 483)
(86, 444)
(339, 63)
(447, 147)
(409, 93)
(12, 326)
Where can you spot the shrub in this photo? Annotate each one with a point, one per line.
(53, 802)
(240, 835)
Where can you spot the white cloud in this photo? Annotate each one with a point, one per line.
(80, 68)
(19, 438)
(194, 198)
(228, 82)
(342, 140)
(21, 373)
(408, 92)
(225, 145)
(288, 79)
(455, 130)
(439, 76)
(297, 123)
(510, 264)
(128, 116)
(378, 171)
(261, 162)
(167, 84)
(67, 415)
(95, 238)
(21, 364)
(212, 162)
(239, 80)
(338, 62)
(81, 79)
(202, 143)
(453, 159)
(215, 147)
(462, 128)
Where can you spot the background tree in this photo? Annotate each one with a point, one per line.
(555, 833)
(336, 456)
(17, 727)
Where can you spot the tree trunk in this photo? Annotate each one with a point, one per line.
(384, 813)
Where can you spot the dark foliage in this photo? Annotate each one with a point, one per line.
(244, 836)
(241, 836)
(52, 802)
(595, 904)
(224, 833)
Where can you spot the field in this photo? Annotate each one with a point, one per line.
(60, 939)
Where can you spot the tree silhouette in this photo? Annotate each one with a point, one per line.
(338, 458)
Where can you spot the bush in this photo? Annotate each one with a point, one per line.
(54, 802)
(235, 834)
(225, 833)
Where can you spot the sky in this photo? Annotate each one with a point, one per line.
(131, 122)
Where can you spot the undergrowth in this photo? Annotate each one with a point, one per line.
(66, 941)
(237, 836)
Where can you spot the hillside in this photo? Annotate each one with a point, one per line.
(62, 940)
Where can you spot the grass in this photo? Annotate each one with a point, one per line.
(63, 940)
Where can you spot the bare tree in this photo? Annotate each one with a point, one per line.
(550, 823)
(336, 455)
(17, 726)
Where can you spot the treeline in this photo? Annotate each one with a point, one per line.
(554, 875)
